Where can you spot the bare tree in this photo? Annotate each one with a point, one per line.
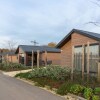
(11, 45)
(97, 3)
(94, 23)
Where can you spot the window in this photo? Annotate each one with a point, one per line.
(94, 49)
(78, 58)
(78, 49)
(93, 57)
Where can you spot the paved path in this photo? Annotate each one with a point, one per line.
(13, 73)
(13, 89)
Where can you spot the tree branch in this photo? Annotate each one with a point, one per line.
(96, 3)
(94, 23)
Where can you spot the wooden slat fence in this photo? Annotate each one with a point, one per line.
(93, 62)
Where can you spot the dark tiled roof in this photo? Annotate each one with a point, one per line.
(95, 35)
(92, 35)
(9, 53)
(29, 48)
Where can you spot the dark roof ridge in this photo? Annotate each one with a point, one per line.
(37, 46)
(85, 31)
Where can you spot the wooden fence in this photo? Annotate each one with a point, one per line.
(93, 62)
(86, 59)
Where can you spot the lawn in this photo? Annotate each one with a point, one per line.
(59, 78)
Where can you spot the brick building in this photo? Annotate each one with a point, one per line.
(80, 48)
(9, 57)
(31, 55)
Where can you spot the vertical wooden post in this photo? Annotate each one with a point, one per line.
(88, 57)
(83, 62)
(45, 58)
(38, 52)
(32, 59)
(7, 58)
(72, 69)
(88, 62)
(99, 51)
(25, 57)
(98, 77)
(11, 56)
(18, 58)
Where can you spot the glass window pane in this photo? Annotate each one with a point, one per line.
(94, 49)
(78, 49)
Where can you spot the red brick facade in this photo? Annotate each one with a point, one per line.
(54, 57)
(66, 52)
(13, 59)
(9, 58)
(78, 39)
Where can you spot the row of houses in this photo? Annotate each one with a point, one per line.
(33, 55)
(80, 49)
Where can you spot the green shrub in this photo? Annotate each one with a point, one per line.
(97, 90)
(53, 72)
(12, 66)
(88, 92)
(64, 88)
(76, 89)
(95, 97)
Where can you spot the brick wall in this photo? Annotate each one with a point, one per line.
(55, 57)
(12, 58)
(66, 52)
(76, 39)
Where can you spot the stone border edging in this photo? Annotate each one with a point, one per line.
(75, 97)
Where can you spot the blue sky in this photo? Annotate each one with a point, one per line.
(45, 20)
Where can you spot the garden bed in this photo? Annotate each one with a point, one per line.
(59, 79)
